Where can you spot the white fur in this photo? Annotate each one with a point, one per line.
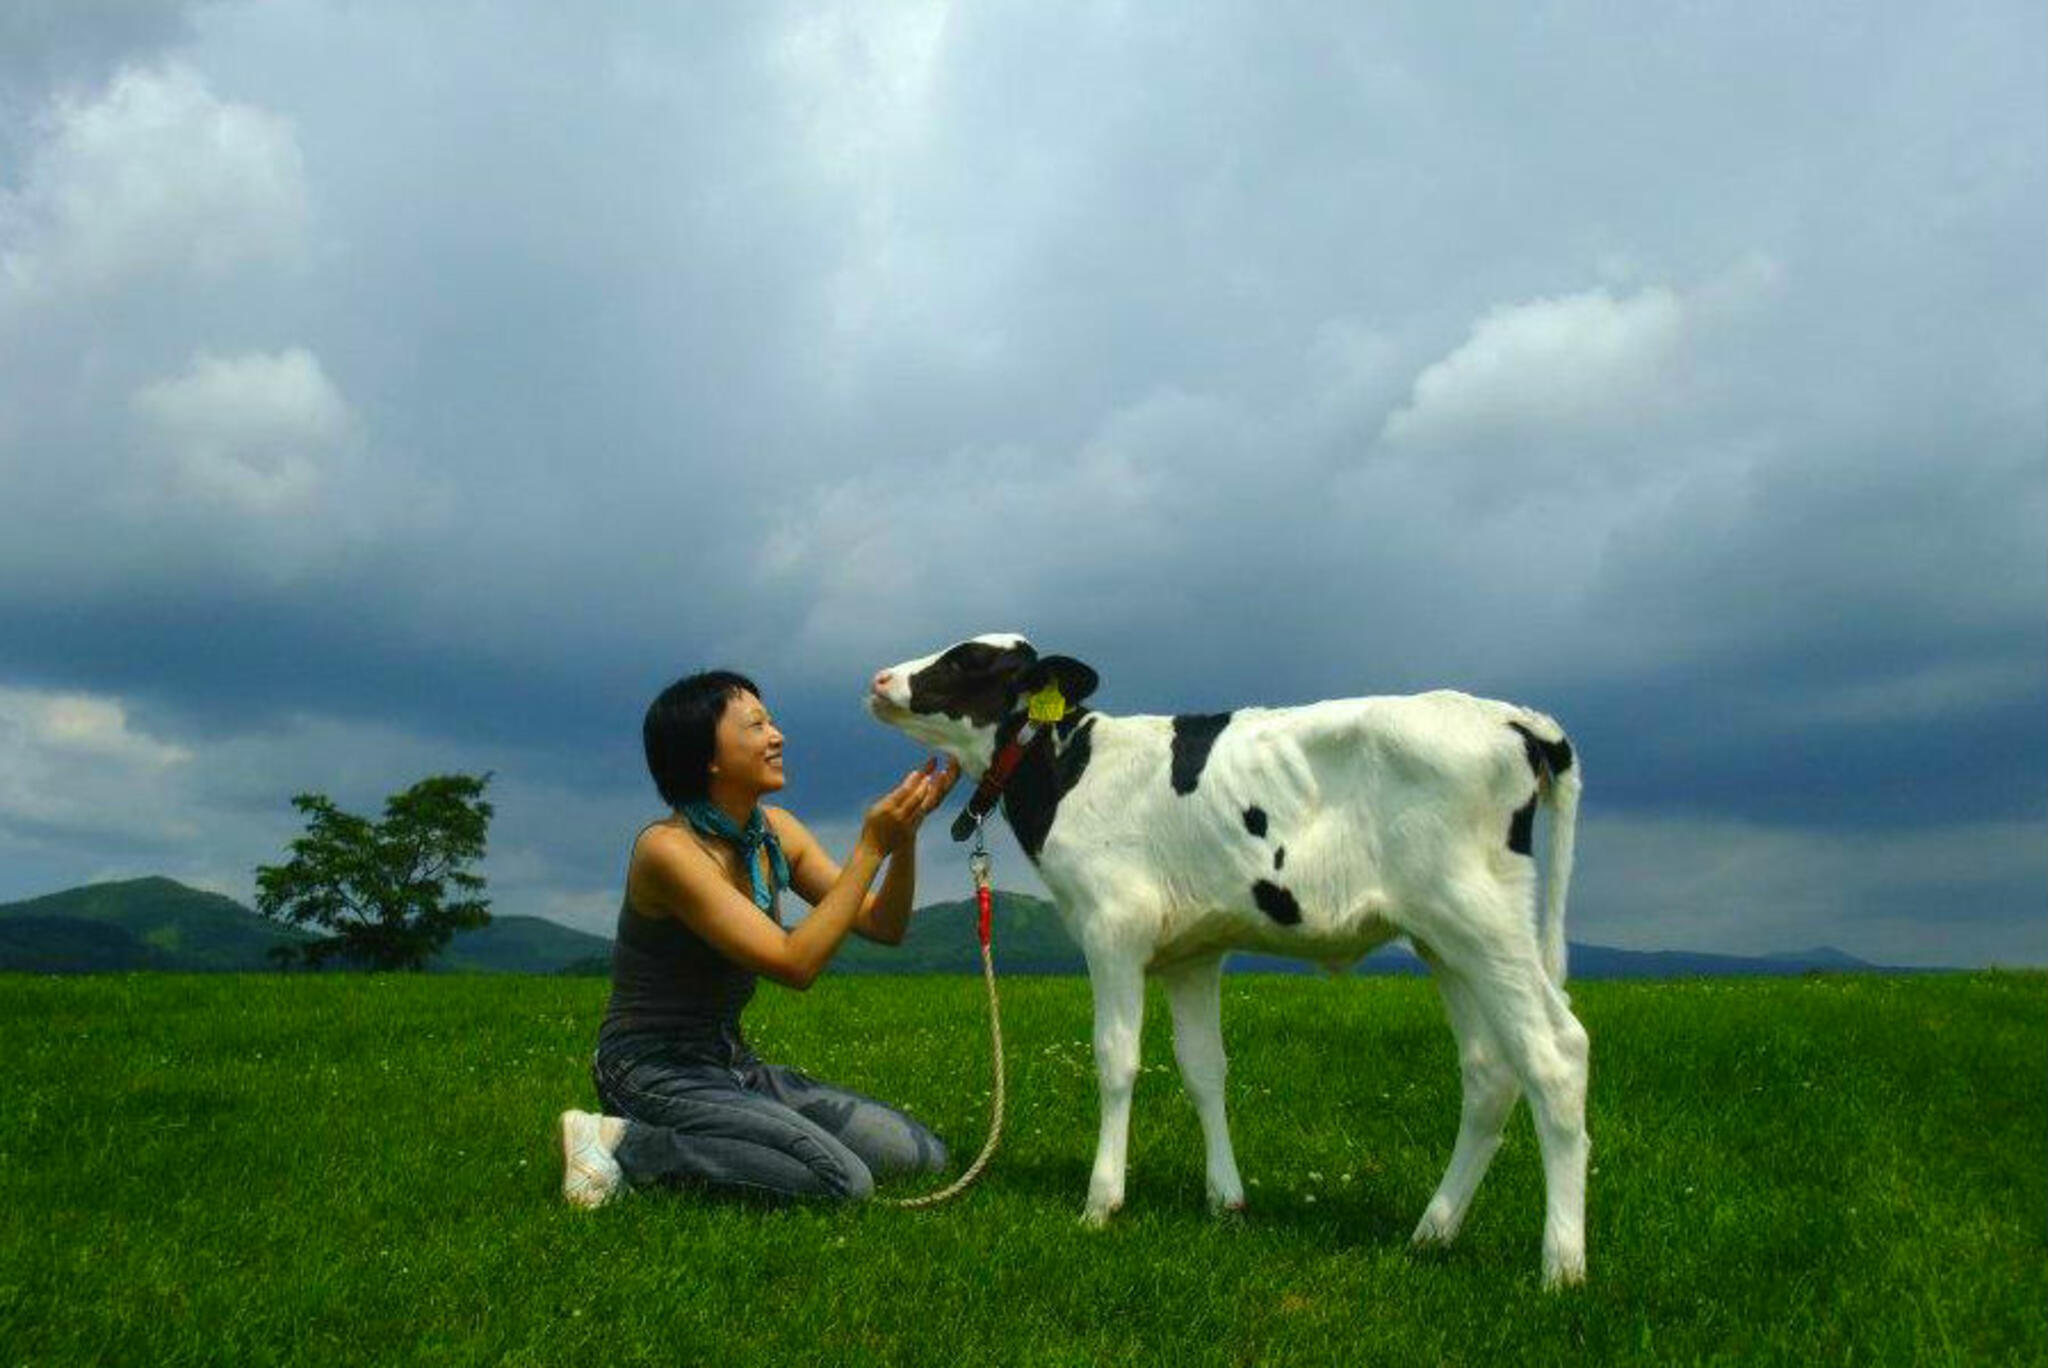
(1393, 813)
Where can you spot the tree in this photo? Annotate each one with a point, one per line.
(393, 892)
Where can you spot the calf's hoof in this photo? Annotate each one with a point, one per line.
(1432, 1232)
(1559, 1274)
(1096, 1215)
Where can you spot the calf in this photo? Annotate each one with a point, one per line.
(1318, 832)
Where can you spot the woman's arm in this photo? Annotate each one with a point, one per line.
(883, 916)
(673, 876)
(887, 914)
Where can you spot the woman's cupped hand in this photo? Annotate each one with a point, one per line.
(892, 820)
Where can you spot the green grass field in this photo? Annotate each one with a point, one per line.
(259, 1169)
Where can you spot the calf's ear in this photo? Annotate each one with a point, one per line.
(1076, 679)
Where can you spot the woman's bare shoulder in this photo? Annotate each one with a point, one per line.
(664, 856)
(660, 840)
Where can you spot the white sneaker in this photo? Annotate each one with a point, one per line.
(590, 1176)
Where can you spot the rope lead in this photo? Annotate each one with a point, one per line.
(984, 897)
(995, 1120)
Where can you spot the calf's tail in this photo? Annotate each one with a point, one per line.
(1562, 794)
(1559, 780)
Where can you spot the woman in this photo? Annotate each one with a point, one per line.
(685, 1100)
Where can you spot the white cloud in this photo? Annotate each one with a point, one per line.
(156, 175)
(72, 763)
(254, 434)
(1593, 390)
(144, 212)
(1564, 362)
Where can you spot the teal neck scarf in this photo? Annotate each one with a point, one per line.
(710, 819)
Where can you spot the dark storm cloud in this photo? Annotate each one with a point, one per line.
(1678, 373)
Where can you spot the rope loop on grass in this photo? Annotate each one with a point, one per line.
(995, 1120)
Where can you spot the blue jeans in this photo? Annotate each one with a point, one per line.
(754, 1129)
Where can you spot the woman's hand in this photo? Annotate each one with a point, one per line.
(892, 821)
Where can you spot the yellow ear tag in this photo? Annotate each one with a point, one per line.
(1048, 705)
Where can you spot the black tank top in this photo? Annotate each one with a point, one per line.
(672, 990)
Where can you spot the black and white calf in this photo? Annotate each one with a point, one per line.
(1318, 832)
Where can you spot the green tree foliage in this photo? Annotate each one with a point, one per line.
(390, 893)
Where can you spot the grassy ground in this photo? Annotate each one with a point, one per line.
(255, 1169)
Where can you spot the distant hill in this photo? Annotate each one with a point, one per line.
(71, 945)
(158, 923)
(524, 945)
(152, 923)
(1029, 938)
(1602, 962)
(1026, 935)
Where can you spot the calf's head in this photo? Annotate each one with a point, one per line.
(966, 699)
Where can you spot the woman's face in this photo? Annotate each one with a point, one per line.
(748, 746)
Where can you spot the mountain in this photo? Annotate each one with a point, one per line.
(1821, 957)
(158, 923)
(1603, 962)
(152, 923)
(524, 945)
(72, 945)
(1026, 937)
(1029, 938)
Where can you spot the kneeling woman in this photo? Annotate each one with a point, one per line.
(686, 1101)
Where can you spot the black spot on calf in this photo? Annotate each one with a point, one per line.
(1547, 759)
(1193, 736)
(1522, 828)
(1276, 902)
(1279, 858)
(1044, 776)
(1255, 821)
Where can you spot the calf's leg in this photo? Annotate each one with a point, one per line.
(1489, 1095)
(1547, 1048)
(1487, 945)
(1119, 984)
(1195, 992)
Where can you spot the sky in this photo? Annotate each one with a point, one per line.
(390, 390)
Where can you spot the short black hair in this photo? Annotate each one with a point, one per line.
(681, 732)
